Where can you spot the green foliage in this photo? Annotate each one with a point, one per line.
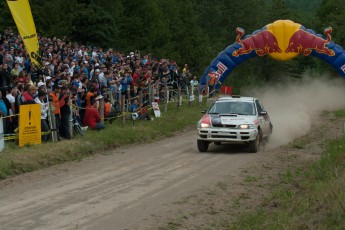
(331, 13)
(188, 31)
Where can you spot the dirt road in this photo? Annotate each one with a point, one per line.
(152, 185)
(119, 190)
(169, 184)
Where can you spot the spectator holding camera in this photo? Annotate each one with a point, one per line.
(140, 110)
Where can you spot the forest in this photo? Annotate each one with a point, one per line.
(188, 31)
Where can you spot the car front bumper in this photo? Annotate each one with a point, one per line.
(227, 135)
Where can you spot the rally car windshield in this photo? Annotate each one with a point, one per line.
(233, 107)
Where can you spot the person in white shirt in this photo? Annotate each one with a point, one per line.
(194, 83)
(44, 113)
(11, 97)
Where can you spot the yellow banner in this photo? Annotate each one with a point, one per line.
(29, 124)
(21, 12)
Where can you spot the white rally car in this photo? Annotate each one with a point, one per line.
(234, 119)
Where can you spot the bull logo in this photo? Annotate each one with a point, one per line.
(263, 42)
(304, 42)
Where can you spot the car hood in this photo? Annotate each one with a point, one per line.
(221, 120)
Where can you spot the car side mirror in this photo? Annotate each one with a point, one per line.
(263, 113)
(203, 111)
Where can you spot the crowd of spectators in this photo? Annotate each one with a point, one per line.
(78, 74)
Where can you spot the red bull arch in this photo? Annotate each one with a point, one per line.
(281, 40)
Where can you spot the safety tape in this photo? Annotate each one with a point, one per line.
(14, 115)
(13, 136)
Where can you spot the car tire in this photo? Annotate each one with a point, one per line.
(255, 144)
(203, 146)
(268, 137)
(217, 143)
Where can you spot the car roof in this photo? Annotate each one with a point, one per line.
(236, 98)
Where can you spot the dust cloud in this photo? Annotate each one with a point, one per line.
(293, 104)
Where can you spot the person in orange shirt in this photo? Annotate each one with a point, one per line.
(91, 93)
(211, 78)
(107, 107)
(54, 98)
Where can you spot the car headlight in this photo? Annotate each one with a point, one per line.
(246, 126)
(204, 125)
(205, 121)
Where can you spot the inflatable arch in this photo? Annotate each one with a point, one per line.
(282, 40)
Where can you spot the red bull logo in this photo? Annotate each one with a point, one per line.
(263, 42)
(273, 39)
(304, 42)
(221, 69)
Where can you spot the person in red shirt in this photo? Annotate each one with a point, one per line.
(92, 117)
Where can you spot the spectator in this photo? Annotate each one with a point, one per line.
(44, 109)
(139, 111)
(4, 111)
(92, 117)
(16, 70)
(11, 98)
(211, 78)
(28, 97)
(143, 113)
(65, 111)
(194, 83)
(54, 98)
(4, 78)
(125, 83)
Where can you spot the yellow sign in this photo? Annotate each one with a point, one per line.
(22, 16)
(29, 124)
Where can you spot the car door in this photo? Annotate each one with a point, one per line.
(263, 119)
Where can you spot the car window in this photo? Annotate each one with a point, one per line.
(259, 106)
(233, 107)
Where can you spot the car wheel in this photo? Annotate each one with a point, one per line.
(254, 145)
(217, 143)
(268, 137)
(202, 145)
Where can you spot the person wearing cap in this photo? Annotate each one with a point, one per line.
(40, 83)
(86, 68)
(46, 71)
(93, 70)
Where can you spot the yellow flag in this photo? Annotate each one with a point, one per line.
(22, 16)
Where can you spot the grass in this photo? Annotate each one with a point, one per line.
(312, 197)
(15, 160)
